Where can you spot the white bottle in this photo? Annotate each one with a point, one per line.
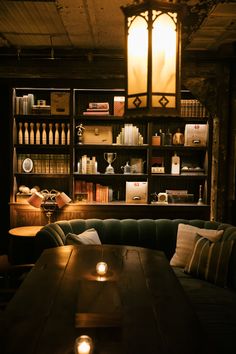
(31, 133)
(50, 136)
(44, 134)
(20, 134)
(56, 141)
(37, 137)
(26, 133)
(175, 165)
(63, 134)
(68, 134)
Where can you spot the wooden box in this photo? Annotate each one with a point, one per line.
(96, 134)
(60, 103)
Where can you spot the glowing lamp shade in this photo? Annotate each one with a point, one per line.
(49, 201)
(152, 30)
(62, 199)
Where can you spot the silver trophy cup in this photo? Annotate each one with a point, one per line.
(110, 157)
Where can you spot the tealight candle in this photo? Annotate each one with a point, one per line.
(83, 345)
(101, 268)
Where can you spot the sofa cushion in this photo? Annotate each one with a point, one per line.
(185, 242)
(87, 237)
(210, 260)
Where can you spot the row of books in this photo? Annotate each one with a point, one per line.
(45, 163)
(92, 192)
(193, 108)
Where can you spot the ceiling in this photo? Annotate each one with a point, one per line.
(98, 25)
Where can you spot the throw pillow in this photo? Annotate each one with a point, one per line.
(210, 260)
(185, 242)
(88, 237)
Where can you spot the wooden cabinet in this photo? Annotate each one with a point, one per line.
(65, 139)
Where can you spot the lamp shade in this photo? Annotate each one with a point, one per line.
(62, 199)
(36, 200)
(152, 31)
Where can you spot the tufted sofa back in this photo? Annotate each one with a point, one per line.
(148, 233)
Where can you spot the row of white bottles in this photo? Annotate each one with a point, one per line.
(40, 133)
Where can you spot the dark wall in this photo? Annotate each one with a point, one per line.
(5, 146)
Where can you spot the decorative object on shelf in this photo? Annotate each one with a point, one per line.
(157, 164)
(97, 134)
(175, 165)
(168, 138)
(50, 135)
(44, 134)
(56, 140)
(63, 134)
(49, 201)
(83, 345)
(80, 129)
(136, 192)
(87, 165)
(196, 134)
(159, 198)
(68, 134)
(156, 140)
(37, 137)
(178, 138)
(26, 133)
(27, 165)
(129, 135)
(153, 67)
(126, 169)
(60, 103)
(119, 106)
(137, 165)
(162, 198)
(31, 133)
(20, 133)
(200, 200)
(97, 108)
(110, 157)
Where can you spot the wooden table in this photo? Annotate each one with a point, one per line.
(21, 245)
(156, 315)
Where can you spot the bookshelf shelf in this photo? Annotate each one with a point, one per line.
(58, 153)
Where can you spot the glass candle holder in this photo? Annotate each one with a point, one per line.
(101, 268)
(83, 345)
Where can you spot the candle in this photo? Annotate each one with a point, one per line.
(101, 268)
(83, 345)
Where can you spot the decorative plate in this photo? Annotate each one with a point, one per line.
(27, 165)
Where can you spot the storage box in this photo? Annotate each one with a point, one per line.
(195, 134)
(60, 103)
(97, 134)
(119, 105)
(136, 192)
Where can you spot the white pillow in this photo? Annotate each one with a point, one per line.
(88, 237)
(185, 242)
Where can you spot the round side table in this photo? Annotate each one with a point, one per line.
(21, 244)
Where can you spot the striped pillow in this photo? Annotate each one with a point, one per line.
(209, 260)
(185, 242)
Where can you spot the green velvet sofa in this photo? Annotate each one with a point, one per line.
(215, 305)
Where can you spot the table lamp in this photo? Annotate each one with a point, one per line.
(49, 201)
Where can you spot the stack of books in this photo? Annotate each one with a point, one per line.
(97, 108)
(179, 196)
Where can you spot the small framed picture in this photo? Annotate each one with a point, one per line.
(27, 165)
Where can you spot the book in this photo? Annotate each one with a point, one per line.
(100, 105)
